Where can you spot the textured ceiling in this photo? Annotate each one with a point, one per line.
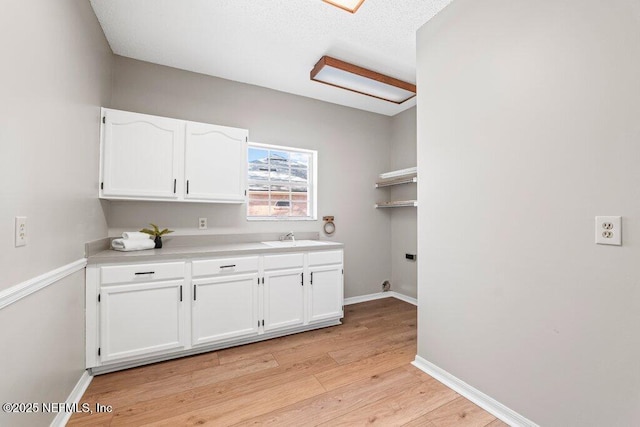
(271, 43)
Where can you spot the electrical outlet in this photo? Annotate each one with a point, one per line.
(609, 230)
(21, 231)
(202, 223)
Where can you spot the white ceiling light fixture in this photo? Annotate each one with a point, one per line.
(344, 75)
(348, 5)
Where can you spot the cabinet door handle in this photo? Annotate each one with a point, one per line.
(312, 277)
(194, 292)
(228, 266)
(301, 279)
(187, 186)
(145, 272)
(175, 181)
(180, 293)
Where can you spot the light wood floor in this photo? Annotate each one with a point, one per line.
(354, 374)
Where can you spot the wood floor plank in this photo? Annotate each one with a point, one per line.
(336, 343)
(281, 344)
(199, 398)
(339, 401)
(400, 408)
(373, 310)
(457, 413)
(186, 381)
(345, 374)
(355, 351)
(245, 406)
(394, 318)
(497, 423)
(423, 376)
(157, 371)
(352, 374)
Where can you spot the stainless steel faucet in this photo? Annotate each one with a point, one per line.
(288, 236)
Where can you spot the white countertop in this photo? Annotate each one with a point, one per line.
(209, 250)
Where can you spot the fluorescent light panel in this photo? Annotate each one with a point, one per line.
(341, 74)
(348, 5)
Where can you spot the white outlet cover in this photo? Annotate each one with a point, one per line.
(21, 231)
(609, 230)
(202, 223)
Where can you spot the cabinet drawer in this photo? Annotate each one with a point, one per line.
(212, 267)
(272, 262)
(141, 272)
(325, 257)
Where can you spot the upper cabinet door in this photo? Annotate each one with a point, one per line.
(215, 163)
(141, 155)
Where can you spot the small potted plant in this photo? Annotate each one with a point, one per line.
(157, 234)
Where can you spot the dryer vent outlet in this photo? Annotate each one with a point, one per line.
(386, 286)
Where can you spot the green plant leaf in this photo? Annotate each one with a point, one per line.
(155, 228)
(147, 231)
(165, 231)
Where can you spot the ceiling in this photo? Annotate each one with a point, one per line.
(272, 43)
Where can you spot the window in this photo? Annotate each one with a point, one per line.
(281, 183)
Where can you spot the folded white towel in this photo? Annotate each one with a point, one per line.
(126, 245)
(135, 235)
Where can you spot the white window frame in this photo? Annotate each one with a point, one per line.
(312, 177)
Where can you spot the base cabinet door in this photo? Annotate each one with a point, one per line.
(283, 299)
(224, 308)
(141, 319)
(326, 291)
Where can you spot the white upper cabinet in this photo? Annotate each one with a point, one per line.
(147, 157)
(213, 159)
(140, 155)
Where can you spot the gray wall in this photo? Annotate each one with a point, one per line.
(529, 130)
(353, 148)
(56, 73)
(403, 220)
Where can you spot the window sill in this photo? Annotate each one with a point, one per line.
(283, 219)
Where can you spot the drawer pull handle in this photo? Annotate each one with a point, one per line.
(145, 272)
(228, 266)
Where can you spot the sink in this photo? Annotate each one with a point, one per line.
(292, 244)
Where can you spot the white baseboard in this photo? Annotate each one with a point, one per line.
(380, 295)
(404, 298)
(19, 291)
(76, 394)
(487, 403)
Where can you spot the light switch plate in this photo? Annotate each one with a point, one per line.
(609, 230)
(21, 231)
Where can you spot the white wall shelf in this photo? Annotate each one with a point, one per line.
(398, 204)
(399, 177)
(403, 179)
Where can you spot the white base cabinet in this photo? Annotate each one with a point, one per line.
(224, 308)
(283, 299)
(326, 292)
(141, 319)
(326, 283)
(141, 313)
(224, 299)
